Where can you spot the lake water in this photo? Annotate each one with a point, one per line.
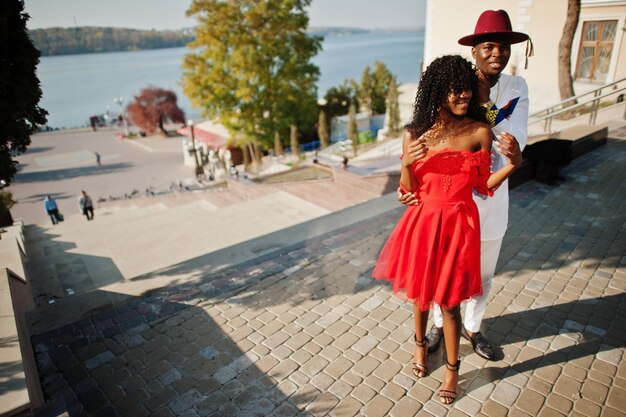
(76, 86)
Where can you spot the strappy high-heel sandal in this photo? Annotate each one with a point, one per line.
(420, 370)
(448, 396)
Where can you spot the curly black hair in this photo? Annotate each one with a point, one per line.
(445, 75)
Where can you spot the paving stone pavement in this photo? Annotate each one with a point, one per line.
(305, 331)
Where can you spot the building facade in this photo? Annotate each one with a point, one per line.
(598, 51)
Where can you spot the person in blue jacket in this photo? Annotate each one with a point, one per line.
(50, 205)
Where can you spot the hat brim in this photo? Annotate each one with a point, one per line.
(475, 39)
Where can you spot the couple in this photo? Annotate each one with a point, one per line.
(445, 247)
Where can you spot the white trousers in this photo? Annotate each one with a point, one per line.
(475, 307)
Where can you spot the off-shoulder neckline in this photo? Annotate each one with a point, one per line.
(449, 149)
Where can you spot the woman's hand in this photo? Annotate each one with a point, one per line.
(484, 87)
(408, 199)
(416, 150)
(508, 146)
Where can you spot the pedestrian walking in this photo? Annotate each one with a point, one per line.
(50, 205)
(505, 97)
(433, 254)
(85, 205)
(98, 158)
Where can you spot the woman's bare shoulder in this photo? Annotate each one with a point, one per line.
(483, 134)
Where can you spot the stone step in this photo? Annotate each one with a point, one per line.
(197, 270)
(123, 218)
(84, 256)
(131, 211)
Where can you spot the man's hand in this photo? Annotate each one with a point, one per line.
(508, 146)
(416, 150)
(484, 87)
(407, 199)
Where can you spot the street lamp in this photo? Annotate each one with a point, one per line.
(120, 100)
(199, 169)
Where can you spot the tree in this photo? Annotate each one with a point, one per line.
(153, 107)
(6, 202)
(393, 108)
(251, 59)
(338, 99)
(293, 140)
(366, 90)
(381, 78)
(20, 92)
(278, 144)
(353, 131)
(566, 81)
(322, 130)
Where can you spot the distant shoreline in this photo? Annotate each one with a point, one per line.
(90, 39)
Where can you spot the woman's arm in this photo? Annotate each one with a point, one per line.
(407, 178)
(497, 178)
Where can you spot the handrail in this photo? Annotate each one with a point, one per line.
(582, 103)
(567, 100)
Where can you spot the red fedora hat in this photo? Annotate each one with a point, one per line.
(491, 24)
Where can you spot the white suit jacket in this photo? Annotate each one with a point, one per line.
(510, 95)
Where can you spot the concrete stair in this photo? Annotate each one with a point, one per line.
(194, 270)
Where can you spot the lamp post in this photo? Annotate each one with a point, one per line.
(199, 170)
(120, 100)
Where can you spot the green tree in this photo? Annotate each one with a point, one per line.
(366, 91)
(20, 114)
(6, 202)
(381, 78)
(393, 108)
(251, 59)
(322, 130)
(83, 40)
(338, 99)
(353, 131)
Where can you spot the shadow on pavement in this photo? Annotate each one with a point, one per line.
(38, 149)
(57, 272)
(40, 197)
(66, 173)
(11, 373)
(163, 352)
(576, 333)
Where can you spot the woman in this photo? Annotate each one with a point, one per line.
(433, 254)
(85, 205)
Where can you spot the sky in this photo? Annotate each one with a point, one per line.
(170, 14)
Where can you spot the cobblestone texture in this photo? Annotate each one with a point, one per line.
(305, 331)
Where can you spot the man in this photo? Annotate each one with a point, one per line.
(506, 100)
(50, 205)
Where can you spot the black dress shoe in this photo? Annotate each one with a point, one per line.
(480, 345)
(435, 334)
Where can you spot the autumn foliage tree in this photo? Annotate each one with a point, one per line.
(154, 107)
(20, 92)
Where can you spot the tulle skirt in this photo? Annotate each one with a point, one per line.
(433, 254)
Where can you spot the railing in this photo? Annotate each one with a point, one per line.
(549, 113)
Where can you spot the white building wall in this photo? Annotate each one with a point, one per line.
(543, 20)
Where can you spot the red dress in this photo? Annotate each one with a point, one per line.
(433, 254)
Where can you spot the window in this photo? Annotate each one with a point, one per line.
(596, 46)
